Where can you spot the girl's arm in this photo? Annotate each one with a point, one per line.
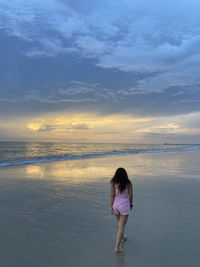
(130, 193)
(112, 195)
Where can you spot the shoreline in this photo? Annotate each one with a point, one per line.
(88, 156)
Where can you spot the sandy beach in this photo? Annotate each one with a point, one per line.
(57, 214)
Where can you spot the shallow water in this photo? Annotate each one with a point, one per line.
(57, 214)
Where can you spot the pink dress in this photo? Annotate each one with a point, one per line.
(121, 202)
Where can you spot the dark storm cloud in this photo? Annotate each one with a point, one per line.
(102, 56)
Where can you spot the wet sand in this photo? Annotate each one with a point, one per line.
(57, 214)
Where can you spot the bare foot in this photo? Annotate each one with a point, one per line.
(124, 239)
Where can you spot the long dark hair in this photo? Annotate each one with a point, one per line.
(121, 179)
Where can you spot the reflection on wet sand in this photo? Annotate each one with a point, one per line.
(34, 171)
(69, 171)
(120, 260)
(89, 170)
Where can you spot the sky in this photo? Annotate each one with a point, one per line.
(100, 71)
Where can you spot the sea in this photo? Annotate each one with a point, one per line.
(22, 153)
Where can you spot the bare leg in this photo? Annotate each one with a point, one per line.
(121, 226)
(117, 216)
(123, 237)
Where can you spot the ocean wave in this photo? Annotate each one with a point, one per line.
(74, 157)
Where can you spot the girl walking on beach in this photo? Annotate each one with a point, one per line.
(121, 202)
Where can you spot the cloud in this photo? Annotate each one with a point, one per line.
(55, 98)
(181, 125)
(131, 36)
(91, 46)
(88, 128)
(127, 28)
(36, 125)
(190, 121)
(104, 57)
(80, 96)
(58, 124)
(49, 48)
(66, 128)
